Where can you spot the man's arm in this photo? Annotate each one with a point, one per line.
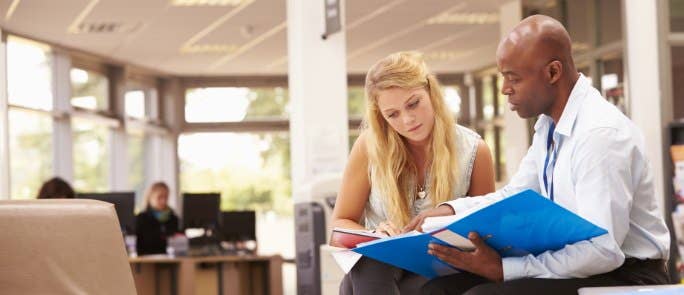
(602, 173)
(527, 177)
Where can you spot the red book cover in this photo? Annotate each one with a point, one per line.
(349, 238)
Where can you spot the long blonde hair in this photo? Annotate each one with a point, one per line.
(393, 169)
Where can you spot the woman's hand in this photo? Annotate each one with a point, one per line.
(386, 227)
(417, 222)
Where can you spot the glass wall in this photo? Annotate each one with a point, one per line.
(89, 90)
(677, 77)
(235, 104)
(676, 16)
(29, 74)
(30, 144)
(91, 155)
(30, 97)
(252, 172)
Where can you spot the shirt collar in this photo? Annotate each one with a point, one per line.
(569, 115)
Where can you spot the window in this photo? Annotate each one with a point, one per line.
(235, 104)
(136, 164)
(452, 99)
(29, 87)
(89, 90)
(609, 21)
(488, 93)
(135, 104)
(678, 75)
(29, 74)
(30, 140)
(91, 156)
(580, 25)
(356, 102)
(676, 16)
(252, 171)
(611, 73)
(489, 118)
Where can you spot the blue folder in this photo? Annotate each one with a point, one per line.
(522, 224)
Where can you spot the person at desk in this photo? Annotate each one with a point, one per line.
(411, 156)
(157, 222)
(587, 157)
(56, 188)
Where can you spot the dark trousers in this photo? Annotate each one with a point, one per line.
(632, 272)
(370, 276)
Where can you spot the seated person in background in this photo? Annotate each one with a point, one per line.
(411, 157)
(56, 188)
(157, 222)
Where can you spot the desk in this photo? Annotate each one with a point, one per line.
(248, 274)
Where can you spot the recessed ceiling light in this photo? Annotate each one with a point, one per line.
(208, 2)
(446, 55)
(208, 48)
(104, 27)
(465, 18)
(579, 46)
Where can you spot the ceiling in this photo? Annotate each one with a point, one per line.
(249, 37)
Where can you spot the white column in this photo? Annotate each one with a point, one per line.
(516, 133)
(648, 108)
(4, 130)
(317, 77)
(62, 148)
(171, 107)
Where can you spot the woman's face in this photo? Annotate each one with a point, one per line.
(159, 199)
(408, 111)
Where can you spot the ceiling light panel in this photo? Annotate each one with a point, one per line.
(465, 18)
(208, 2)
(208, 48)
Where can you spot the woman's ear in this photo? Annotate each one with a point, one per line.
(554, 69)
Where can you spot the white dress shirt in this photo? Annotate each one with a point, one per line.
(602, 174)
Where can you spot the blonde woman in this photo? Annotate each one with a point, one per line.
(411, 157)
(157, 222)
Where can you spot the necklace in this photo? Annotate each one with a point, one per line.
(421, 191)
(422, 188)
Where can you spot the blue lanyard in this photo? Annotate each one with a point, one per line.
(549, 146)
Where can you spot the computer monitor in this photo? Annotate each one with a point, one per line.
(238, 226)
(201, 210)
(124, 204)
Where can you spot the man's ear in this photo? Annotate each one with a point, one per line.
(554, 69)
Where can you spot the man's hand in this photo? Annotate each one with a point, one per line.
(484, 261)
(417, 222)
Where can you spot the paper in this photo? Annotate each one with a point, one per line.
(455, 240)
(346, 259)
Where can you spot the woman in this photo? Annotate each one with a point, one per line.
(411, 157)
(56, 188)
(157, 222)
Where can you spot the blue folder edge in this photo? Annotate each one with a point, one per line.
(522, 224)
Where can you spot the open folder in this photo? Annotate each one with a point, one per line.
(525, 223)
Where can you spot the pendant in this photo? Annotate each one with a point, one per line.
(421, 194)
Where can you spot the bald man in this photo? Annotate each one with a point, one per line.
(587, 157)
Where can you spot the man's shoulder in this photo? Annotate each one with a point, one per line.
(598, 114)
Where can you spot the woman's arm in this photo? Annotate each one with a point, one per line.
(355, 188)
(482, 178)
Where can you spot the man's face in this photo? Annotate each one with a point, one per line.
(523, 83)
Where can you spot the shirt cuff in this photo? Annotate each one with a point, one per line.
(459, 205)
(513, 268)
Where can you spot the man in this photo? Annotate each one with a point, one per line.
(587, 157)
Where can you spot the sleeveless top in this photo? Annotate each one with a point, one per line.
(466, 145)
